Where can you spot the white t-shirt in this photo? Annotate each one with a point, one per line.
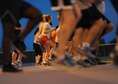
(47, 26)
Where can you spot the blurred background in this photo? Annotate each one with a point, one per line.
(44, 7)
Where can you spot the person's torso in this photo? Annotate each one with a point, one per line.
(47, 27)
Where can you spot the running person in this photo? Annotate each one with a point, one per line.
(115, 5)
(93, 26)
(71, 14)
(38, 47)
(10, 13)
(45, 38)
(17, 62)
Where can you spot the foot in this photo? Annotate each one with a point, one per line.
(10, 68)
(86, 52)
(90, 61)
(37, 64)
(45, 64)
(19, 63)
(84, 63)
(66, 61)
(50, 58)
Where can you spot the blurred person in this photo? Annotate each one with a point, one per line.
(115, 5)
(70, 14)
(45, 38)
(38, 47)
(15, 54)
(11, 13)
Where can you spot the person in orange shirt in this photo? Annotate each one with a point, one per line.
(54, 34)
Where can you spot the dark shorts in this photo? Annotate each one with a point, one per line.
(105, 18)
(115, 4)
(89, 17)
(23, 48)
(12, 11)
(38, 49)
(67, 4)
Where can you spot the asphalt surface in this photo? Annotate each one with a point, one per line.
(100, 74)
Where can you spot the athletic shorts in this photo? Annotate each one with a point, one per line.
(105, 18)
(89, 17)
(43, 39)
(23, 48)
(38, 49)
(115, 4)
(65, 4)
(12, 10)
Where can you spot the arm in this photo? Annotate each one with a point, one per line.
(18, 28)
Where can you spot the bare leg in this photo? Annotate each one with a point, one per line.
(19, 58)
(37, 58)
(35, 17)
(14, 55)
(94, 31)
(69, 23)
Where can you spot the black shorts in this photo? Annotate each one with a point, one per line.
(67, 4)
(12, 11)
(89, 17)
(102, 16)
(38, 49)
(115, 4)
(105, 18)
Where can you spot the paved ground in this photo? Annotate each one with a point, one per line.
(100, 74)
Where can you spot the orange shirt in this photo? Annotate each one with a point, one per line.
(53, 35)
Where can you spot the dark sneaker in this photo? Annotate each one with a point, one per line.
(10, 68)
(87, 52)
(66, 61)
(84, 63)
(20, 45)
(91, 62)
(19, 63)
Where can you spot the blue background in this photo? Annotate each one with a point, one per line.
(44, 7)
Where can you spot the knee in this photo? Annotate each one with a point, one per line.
(100, 22)
(110, 27)
(37, 17)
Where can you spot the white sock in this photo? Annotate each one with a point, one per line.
(85, 44)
